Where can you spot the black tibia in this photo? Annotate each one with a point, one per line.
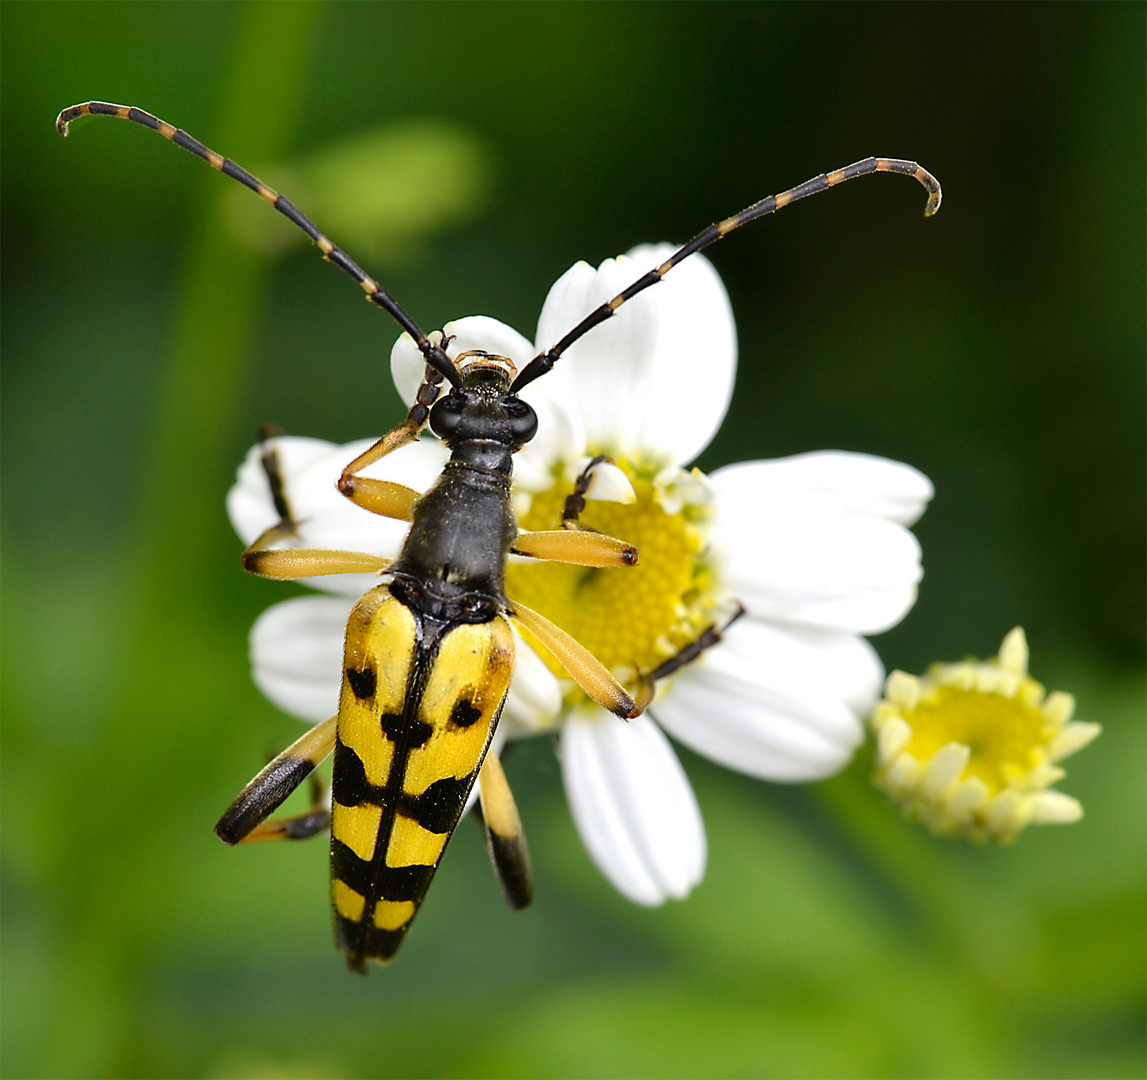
(263, 796)
(575, 502)
(427, 395)
(286, 526)
(272, 469)
(266, 793)
(710, 636)
(300, 827)
(505, 839)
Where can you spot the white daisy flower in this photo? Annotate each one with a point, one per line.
(815, 547)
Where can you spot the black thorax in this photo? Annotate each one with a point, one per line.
(452, 566)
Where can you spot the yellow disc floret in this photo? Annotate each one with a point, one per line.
(630, 618)
(971, 749)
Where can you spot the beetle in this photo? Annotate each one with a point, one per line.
(429, 652)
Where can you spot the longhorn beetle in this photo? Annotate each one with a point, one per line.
(429, 652)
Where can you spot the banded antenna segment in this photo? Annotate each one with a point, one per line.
(433, 354)
(543, 362)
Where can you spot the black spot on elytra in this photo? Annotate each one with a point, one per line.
(405, 733)
(350, 869)
(362, 683)
(379, 882)
(438, 808)
(464, 714)
(349, 785)
(404, 882)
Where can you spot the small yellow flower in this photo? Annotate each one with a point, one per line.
(971, 748)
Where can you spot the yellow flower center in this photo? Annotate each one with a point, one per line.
(972, 748)
(631, 617)
(1006, 736)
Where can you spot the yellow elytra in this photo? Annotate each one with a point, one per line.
(415, 720)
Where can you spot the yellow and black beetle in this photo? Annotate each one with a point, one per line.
(429, 652)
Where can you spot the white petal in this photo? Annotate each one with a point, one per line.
(675, 488)
(624, 378)
(560, 439)
(862, 483)
(1074, 736)
(408, 367)
(778, 703)
(965, 798)
(943, 769)
(695, 362)
(296, 654)
(633, 806)
(603, 376)
(535, 696)
(903, 690)
(482, 332)
(1054, 808)
(1058, 708)
(607, 483)
(1014, 652)
(892, 738)
(1008, 812)
(800, 557)
(840, 665)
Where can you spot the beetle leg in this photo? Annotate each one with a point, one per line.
(301, 827)
(584, 668)
(286, 526)
(505, 840)
(575, 501)
(582, 547)
(289, 564)
(263, 795)
(383, 497)
(710, 636)
(405, 433)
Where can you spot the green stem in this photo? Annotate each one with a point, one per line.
(123, 800)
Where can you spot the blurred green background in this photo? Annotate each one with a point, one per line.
(153, 317)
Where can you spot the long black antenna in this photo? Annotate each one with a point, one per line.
(434, 355)
(543, 362)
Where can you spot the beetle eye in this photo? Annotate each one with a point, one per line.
(523, 421)
(445, 416)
